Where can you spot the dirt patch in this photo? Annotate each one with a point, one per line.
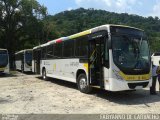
(23, 93)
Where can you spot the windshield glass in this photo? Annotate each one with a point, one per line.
(28, 58)
(130, 53)
(3, 58)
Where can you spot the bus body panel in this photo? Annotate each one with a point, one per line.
(5, 69)
(27, 68)
(65, 69)
(123, 85)
(18, 64)
(33, 66)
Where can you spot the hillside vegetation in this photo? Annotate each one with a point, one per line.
(25, 24)
(70, 22)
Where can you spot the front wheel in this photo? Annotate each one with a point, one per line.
(44, 74)
(82, 84)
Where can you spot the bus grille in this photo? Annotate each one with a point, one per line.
(134, 85)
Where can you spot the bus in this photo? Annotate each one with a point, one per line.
(4, 61)
(110, 57)
(23, 60)
(36, 59)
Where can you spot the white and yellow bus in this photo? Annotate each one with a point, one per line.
(4, 61)
(111, 57)
(23, 60)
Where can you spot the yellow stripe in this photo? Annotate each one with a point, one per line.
(54, 67)
(80, 34)
(2, 69)
(135, 77)
(86, 66)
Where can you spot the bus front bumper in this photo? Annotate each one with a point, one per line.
(121, 85)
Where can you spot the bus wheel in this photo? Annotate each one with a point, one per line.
(44, 74)
(82, 84)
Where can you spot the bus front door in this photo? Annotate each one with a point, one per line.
(37, 61)
(96, 53)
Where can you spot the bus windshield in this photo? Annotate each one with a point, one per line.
(28, 58)
(3, 58)
(130, 53)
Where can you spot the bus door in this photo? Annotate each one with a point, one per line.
(37, 61)
(22, 55)
(96, 54)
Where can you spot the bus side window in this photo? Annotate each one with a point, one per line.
(43, 54)
(58, 50)
(68, 48)
(81, 47)
(49, 51)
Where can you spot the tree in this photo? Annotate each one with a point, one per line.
(71, 22)
(20, 24)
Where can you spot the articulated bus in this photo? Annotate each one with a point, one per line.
(4, 61)
(23, 60)
(110, 57)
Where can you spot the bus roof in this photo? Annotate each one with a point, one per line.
(3, 49)
(23, 51)
(99, 28)
(125, 26)
(37, 47)
(43, 45)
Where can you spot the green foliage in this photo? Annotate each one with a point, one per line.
(25, 24)
(21, 24)
(70, 22)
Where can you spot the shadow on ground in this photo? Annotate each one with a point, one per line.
(134, 97)
(129, 97)
(61, 82)
(26, 73)
(4, 101)
(3, 75)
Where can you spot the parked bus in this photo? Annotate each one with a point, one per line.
(4, 61)
(110, 57)
(23, 60)
(36, 60)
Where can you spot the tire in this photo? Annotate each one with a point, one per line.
(82, 84)
(44, 74)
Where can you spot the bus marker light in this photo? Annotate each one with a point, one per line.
(58, 41)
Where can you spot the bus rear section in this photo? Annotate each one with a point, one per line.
(23, 60)
(4, 61)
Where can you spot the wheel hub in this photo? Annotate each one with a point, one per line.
(82, 83)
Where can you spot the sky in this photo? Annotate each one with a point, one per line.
(139, 7)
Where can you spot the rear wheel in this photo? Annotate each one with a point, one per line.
(82, 84)
(44, 74)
